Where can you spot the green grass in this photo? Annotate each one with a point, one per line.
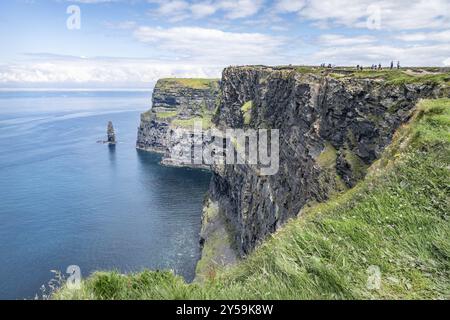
(166, 114)
(392, 77)
(358, 167)
(398, 77)
(327, 158)
(189, 123)
(396, 219)
(247, 111)
(193, 83)
(309, 69)
(209, 264)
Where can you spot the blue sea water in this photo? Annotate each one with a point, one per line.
(67, 200)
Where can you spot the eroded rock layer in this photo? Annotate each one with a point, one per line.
(176, 105)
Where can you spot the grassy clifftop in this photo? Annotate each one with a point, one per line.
(192, 83)
(407, 75)
(398, 77)
(395, 221)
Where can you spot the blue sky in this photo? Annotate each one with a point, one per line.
(132, 43)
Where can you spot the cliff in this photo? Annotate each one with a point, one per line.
(176, 104)
(333, 125)
(386, 238)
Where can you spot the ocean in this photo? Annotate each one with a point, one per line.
(67, 200)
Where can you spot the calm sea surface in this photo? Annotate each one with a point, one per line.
(67, 200)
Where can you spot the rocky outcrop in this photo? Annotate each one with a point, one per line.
(176, 104)
(332, 127)
(110, 133)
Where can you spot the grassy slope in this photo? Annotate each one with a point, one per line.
(396, 219)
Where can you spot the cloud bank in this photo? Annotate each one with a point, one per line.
(199, 38)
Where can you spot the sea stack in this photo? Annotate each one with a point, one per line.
(111, 134)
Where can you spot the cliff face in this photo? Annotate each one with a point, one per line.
(332, 127)
(176, 104)
(188, 97)
(337, 249)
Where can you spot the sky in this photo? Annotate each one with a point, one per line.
(132, 43)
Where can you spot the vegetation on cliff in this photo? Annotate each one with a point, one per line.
(176, 103)
(397, 77)
(193, 83)
(395, 221)
(189, 123)
(410, 75)
(247, 111)
(164, 115)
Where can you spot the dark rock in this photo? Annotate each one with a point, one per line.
(355, 117)
(110, 133)
(331, 130)
(176, 100)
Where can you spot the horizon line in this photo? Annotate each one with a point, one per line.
(7, 89)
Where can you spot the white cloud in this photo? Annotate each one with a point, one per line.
(92, 1)
(172, 7)
(438, 36)
(203, 44)
(239, 8)
(367, 54)
(177, 10)
(201, 10)
(416, 32)
(395, 15)
(98, 72)
(284, 6)
(48, 70)
(340, 40)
